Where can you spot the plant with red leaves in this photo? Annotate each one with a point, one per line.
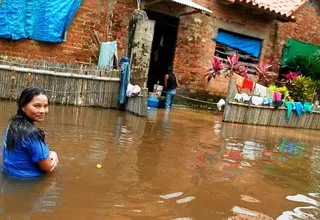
(289, 77)
(213, 71)
(218, 67)
(243, 71)
(233, 62)
(263, 70)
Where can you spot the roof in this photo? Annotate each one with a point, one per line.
(280, 8)
(188, 3)
(192, 4)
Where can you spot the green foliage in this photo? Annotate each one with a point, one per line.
(303, 88)
(317, 86)
(308, 65)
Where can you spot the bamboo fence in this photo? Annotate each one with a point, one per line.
(70, 84)
(236, 112)
(63, 84)
(80, 69)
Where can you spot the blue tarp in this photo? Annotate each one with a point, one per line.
(248, 45)
(40, 20)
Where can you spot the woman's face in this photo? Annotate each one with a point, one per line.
(37, 108)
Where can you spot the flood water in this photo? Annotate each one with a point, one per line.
(184, 165)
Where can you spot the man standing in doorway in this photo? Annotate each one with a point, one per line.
(170, 85)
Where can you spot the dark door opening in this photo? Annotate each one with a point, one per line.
(163, 47)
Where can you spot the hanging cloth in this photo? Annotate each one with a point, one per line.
(277, 104)
(290, 106)
(260, 90)
(307, 107)
(256, 100)
(267, 101)
(248, 84)
(299, 108)
(277, 96)
(124, 79)
(108, 56)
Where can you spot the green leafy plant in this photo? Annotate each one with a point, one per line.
(303, 89)
(308, 65)
(317, 86)
(283, 90)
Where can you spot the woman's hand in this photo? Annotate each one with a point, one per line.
(54, 160)
(49, 164)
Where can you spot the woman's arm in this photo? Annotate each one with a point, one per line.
(166, 81)
(49, 164)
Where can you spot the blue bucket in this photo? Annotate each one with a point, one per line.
(153, 102)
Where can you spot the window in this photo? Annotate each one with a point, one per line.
(228, 43)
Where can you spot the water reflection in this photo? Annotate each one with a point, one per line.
(182, 164)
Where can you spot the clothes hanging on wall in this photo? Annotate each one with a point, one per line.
(108, 56)
(124, 79)
(290, 106)
(242, 97)
(260, 90)
(256, 100)
(277, 96)
(298, 108)
(248, 84)
(307, 107)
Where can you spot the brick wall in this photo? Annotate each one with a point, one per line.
(120, 21)
(195, 47)
(93, 14)
(306, 28)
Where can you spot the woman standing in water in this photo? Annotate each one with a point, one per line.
(170, 85)
(25, 153)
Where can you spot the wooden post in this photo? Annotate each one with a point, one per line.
(141, 52)
(232, 90)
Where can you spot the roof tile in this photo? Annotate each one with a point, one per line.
(280, 7)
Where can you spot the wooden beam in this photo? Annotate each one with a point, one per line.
(153, 2)
(189, 13)
(193, 12)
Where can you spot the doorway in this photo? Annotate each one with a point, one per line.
(163, 46)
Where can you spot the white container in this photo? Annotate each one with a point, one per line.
(157, 89)
(153, 95)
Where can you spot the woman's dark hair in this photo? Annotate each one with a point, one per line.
(20, 126)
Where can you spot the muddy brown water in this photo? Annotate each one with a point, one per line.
(185, 164)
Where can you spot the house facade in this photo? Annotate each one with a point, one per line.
(183, 35)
